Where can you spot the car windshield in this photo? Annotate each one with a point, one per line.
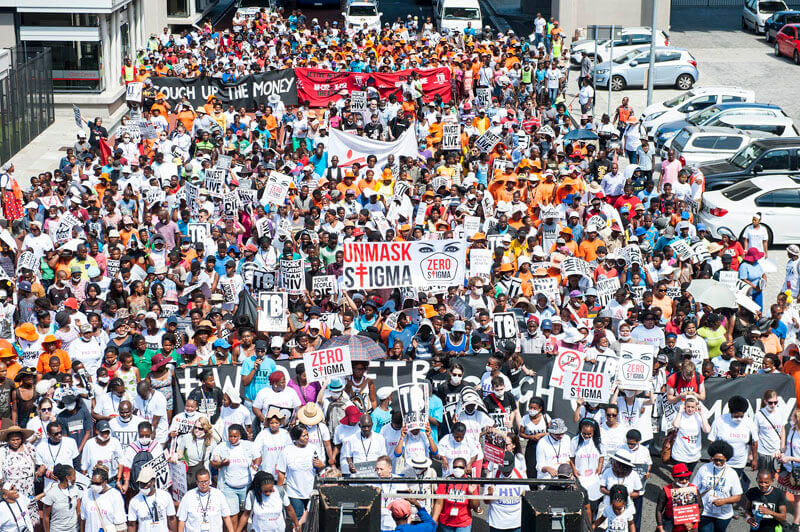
(461, 13)
(633, 54)
(363, 11)
(740, 190)
(745, 157)
(680, 140)
(679, 99)
(701, 116)
(771, 6)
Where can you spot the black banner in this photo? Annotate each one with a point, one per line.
(249, 92)
(394, 373)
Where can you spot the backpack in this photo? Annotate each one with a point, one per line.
(334, 415)
(142, 458)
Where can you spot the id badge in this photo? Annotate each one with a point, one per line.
(205, 526)
(453, 512)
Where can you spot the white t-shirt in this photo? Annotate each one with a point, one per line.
(363, 450)
(792, 448)
(124, 431)
(507, 513)
(551, 453)
(149, 409)
(89, 353)
(768, 425)
(270, 446)
(586, 457)
(297, 463)
(203, 512)
(755, 237)
(233, 416)
(109, 455)
(738, 435)
(50, 455)
(618, 523)
(643, 335)
(237, 474)
(286, 401)
(106, 510)
(475, 423)
(688, 443)
(452, 449)
(317, 435)
(612, 439)
(14, 518)
(632, 482)
(696, 345)
(268, 515)
(150, 512)
(714, 484)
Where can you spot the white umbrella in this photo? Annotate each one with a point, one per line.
(768, 265)
(712, 293)
(73, 244)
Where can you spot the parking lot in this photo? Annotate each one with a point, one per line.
(726, 55)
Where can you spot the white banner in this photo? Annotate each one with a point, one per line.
(413, 399)
(404, 264)
(591, 386)
(272, 312)
(351, 148)
(567, 360)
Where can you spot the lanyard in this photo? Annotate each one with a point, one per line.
(153, 510)
(203, 510)
(366, 449)
(21, 515)
(715, 480)
(50, 448)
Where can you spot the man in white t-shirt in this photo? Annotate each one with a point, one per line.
(364, 447)
(204, 509)
(55, 449)
(648, 333)
(152, 510)
(739, 431)
(506, 513)
(152, 406)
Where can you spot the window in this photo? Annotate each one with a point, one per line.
(699, 103)
(732, 99)
(775, 160)
(706, 143)
(76, 65)
(663, 57)
(71, 20)
(788, 31)
(461, 13)
(740, 190)
(785, 197)
(728, 143)
(640, 39)
(177, 8)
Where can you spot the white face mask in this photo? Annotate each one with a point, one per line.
(499, 392)
(624, 335)
(97, 488)
(682, 482)
(630, 393)
(477, 291)
(104, 437)
(145, 441)
(458, 472)
(489, 369)
(533, 413)
(455, 380)
(736, 420)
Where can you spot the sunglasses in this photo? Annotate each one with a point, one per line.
(45, 409)
(772, 402)
(611, 415)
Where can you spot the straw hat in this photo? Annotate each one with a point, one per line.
(310, 415)
(4, 434)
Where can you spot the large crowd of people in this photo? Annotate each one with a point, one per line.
(107, 295)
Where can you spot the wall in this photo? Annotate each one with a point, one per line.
(574, 14)
(8, 32)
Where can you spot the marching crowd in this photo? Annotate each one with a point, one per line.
(106, 294)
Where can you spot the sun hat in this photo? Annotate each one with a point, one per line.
(310, 415)
(27, 331)
(557, 426)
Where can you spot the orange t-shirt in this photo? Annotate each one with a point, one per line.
(43, 365)
(588, 250)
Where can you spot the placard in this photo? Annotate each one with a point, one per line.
(606, 288)
(591, 386)
(523, 141)
(292, 276)
(328, 363)
(596, 223)
(198, 232)
(358, 101)
(505, 327)
(133, 92)
(480, 263)
(161, 468)
(700, 253)
(494, 447)
(472, 225)
(272, 315)
(27, 261)
(224, 161)
(451, 136)
(685, 506)
(681, 248)
(756, 354)
(323, 286)
(180, 484)
(512, 287)
(413, 399)
(215, 182)
(486, 142)
(636, 366)
(547, 286)
(576, 266)
(483, 96)
(674, 292)
(76, 112)
(729, 279)
(112, 268)
(64, 228)
(567, 360)
(276, 188)
(230, 209)
(632, 255)
(132, 130)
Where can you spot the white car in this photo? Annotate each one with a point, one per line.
(756, 12)
(628, 39)
(679, 107)
(360, 13)
(776, 197)
(697, 145)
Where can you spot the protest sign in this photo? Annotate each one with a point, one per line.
(547, 286)
(400, 189)
(229, 205)
(451, 136)
(494, 446)
(133, 91)
(566, 360)
(413, 399)
(483, 95)
(512, 286)
(198, 232)
(272, 315)
(215, 182)
(327, 363)
(548, 211)
(112, 268)
(292, 276)
(674, 292)
(632, 255)
(168, 309)
(576, 266)
(591, 386)
(256, 278)
(180, 483)
(505, 328)
(27, 261)
(487, 203)
(681, 248)
(263, 227)
(637, 292)
(486, 142)
(729, 279)
(596, 223)
(276, 188)
(685, 506)
(700, 253)
(756, 355)
(370, 265)
(606, 288)
(635, 366)
(228, 287)
(224, 161)
(523, 141)
(358, 101)
(132, 130)
(381, 223)
(64, 228)
(472, 225)
(323, 285)
(76, 112)
(480, 263)
(161, 468)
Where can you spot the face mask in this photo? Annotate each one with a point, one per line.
(199, 432)
(586, 438)
(145, 441)
(500, 392)
(736, 420)
(477, 291)
(718, 469)
(489, 369)
(630, 393)
(104, 437)
(455, 380)
(682, 482)
(102, 380)
(771, 408)
(420, 472)
(534, 413)
(97, 488)
(458, 472)
(625, 335)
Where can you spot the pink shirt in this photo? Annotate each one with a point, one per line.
(669, 172)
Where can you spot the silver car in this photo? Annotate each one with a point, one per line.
(673, 67)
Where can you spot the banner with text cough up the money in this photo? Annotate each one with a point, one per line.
(370, 265)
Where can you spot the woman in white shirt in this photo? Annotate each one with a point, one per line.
(790, 458)
(237, 460)
(13, 513)
(265, 506)
(102, 507)
(719, 486)
(296, 469)
(689, 340)
(690, 424)
(771, 431)
(196, 447)
(586, 459)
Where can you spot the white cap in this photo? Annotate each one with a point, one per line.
(384, 392)
(315, 324)
(276, 341)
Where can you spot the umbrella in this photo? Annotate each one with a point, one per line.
(768, 265)
(362, 348)
(712, 293)
(581, 134)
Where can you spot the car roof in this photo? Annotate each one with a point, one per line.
(721, 130)
(720, 88)
(773, 182)
(751, 105)
(778, 142)
(787, 12)
(662, 48)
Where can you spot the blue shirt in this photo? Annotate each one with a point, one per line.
(436, 411)
(260, 379)
(380, 418)
(427, 524)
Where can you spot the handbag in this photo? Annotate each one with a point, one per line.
(666, 446)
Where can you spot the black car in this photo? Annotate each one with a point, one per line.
(766, 156)
(778, 20)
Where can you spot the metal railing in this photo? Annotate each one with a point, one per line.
(26, 99)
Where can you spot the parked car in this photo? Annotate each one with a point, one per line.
(777, 126)
(787, 42)
(756, 12)
(779, 20)
(360, 13)
(628, 39)
(673, 67)
(700, 144)
(696, 99)
(776, 197)
(456, 15)
(773, 156)
(667, 130)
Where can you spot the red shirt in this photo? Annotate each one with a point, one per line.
(677, 382)
(456, 513)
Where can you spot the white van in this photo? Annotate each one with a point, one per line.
(361, 12)
(455, 15)
(699, 144)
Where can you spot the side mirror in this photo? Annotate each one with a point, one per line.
(758, 168)
(634, 63)
(344, 14)
(380, 13)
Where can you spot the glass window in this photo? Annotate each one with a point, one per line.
(732, 99)
(177, 8)
(663, 57)
(740, 190)
(775, 160)
(76, 65)
(728, 143)
(788, 30)
(460, 13)
(706, 143)
(640, 39)
(698, 103)
(785, 197)
(71, 20)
